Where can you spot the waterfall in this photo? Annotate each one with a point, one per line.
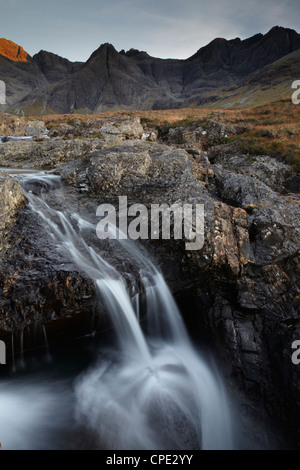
(154, 391)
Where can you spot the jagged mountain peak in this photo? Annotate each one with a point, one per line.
(13, 51)
(55, 67)
(103, 49)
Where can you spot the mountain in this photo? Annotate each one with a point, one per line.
(112, 80)
(269, 83)
(54, 67)
(12, 51)
(19, 71)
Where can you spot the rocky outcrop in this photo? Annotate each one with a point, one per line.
(243, 281)
(68, 141)
(12, 125)
(37, 285)
(200, 135)
(108, 129)
(240, 290)
(43, 155)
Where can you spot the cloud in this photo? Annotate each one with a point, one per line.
(164, 28)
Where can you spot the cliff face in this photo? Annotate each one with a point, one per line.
(12, 51)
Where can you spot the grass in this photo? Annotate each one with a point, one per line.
(272, 129)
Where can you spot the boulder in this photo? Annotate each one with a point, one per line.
(35, 128)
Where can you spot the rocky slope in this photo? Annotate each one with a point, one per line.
(240, 291)
(19, 71)
(134, 80)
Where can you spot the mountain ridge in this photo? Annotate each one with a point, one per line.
(112, 80)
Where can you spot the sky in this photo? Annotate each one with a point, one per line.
(164, 28)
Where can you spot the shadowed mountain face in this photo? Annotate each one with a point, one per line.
(134, 80)
(21, 77)
(54, 67)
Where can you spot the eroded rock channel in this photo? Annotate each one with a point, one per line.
(239, 292)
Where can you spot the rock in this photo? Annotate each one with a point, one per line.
(11, 201)
(12, 125)
(243, 279)
(35, 128)
(200, 135)
(71, 141)
(263, 168)
(134, 168)
(240, 290)
(149, 136)
(184, 136)
(108, 129)
(45, 154)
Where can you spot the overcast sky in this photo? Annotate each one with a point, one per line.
(163, 28)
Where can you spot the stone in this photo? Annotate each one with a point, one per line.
(35, 128)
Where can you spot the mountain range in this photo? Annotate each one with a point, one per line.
(225, 73)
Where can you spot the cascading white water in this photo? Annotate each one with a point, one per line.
(155, 391)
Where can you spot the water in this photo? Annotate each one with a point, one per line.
(150, 390)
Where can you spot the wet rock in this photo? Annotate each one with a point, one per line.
(243, 280)
(16, 139)
(39, 286)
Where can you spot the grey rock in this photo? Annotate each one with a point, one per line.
(35, 128)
